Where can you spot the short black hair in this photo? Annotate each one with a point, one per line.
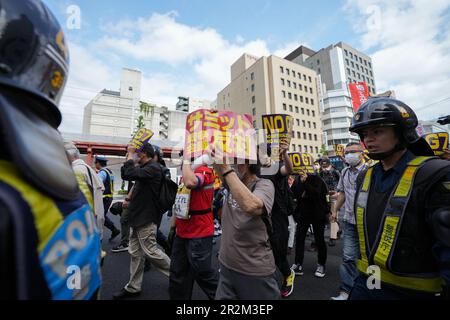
(148, 150)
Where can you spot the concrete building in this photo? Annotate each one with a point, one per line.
(337, 62)
(188, 104)
(116, 113)
(272, 85)
(337, 113)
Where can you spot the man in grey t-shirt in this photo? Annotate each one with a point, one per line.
(247, 264)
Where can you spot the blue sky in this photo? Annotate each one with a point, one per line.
(186, 47)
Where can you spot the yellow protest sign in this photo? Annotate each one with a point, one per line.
(339, 149)
(141, 137)
(278, 128)
(302, 162)
(438, 141)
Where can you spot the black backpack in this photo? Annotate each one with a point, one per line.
(167, 193)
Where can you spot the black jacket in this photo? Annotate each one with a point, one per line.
(143, 205)
(311, 198)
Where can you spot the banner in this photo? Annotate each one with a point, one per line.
(302, 162)
(339, 150)
(278, 128)
(230, 133)
(437, 141)
(359, 94)
(140, 138)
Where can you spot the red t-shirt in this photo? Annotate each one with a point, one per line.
(199, 226)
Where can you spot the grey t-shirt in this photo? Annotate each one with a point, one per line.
(244, 245)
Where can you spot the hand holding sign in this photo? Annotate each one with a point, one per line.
(140, 138)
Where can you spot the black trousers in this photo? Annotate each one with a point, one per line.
(108, 222)
(191, 260)
(319, 238)
(279, 243)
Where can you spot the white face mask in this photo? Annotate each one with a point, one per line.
(352, 159)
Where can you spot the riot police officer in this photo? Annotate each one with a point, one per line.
(49, 244)
(402, 208)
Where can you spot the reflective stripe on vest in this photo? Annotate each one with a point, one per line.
(85, 188)
(385, 242)
(68, 247)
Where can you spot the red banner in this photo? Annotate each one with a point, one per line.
(359, 94)
(230, 133)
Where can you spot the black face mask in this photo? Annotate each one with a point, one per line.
(384, 155)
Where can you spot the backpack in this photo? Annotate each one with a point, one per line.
(167, 193)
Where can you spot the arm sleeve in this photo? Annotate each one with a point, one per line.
(102, 175)
(131, 173)
(340, 186)
(265, 191)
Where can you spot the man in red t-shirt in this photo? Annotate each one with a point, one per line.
(192, 245)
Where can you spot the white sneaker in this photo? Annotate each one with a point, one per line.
(342, 296)
(320, 271)
(298, 269)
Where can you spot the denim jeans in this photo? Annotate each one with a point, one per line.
(347, 270)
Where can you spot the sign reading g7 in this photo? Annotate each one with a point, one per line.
(437, 141)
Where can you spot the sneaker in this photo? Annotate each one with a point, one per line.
(298, 269)
(288, 286)
(114, 234)
(342, 296)
(121, 247)
(123, 294)
(320, 271)
(332, 242)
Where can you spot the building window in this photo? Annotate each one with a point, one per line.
(348, 71)
(298, 134)
(301, 98)
(253, 99)
(309, 78)
(365, 62)
(314, 125)
(305, 148)
(303, 110)
(346, 62)
(310, 89)
(360, 60)
(282, 81)
(346, 52)
(289, 95)
(295, 85)
(254, 111)
(298, 122)
(299, 75)
(289, 83)
(357, 67)
(310, 136)
(300, 148)
(252, 76)
(309, 124)
(353, 65)
(315, 137)
(318, 70)
(290, 108)
(304, 77)
(318, 61)
(304, 135)
(304, 123)
(287, 71)
(356, 58)
(317, 150)
(349, 80)
(293, 73)
(351, 55)
(296, 109)
(284, 93)
(284, 107)
(253, 87)
(281, 69)
(371, 80)
(313, 113)
(130, 88)
(300, 87)
(367, 71)
(370, 66)
(371, 74)
(311, 149)
(307, 102)
(363, 78)
(295, 97)
(354, 74)
(359, 77)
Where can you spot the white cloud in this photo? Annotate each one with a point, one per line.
(409, 42)
(203, 54)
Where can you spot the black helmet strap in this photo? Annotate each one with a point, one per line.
(383, 155)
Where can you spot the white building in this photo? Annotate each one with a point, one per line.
(116, 113)
(188, 104)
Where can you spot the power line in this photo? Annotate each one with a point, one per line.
(432, 104)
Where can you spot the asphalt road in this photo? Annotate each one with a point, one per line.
(155, 286)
